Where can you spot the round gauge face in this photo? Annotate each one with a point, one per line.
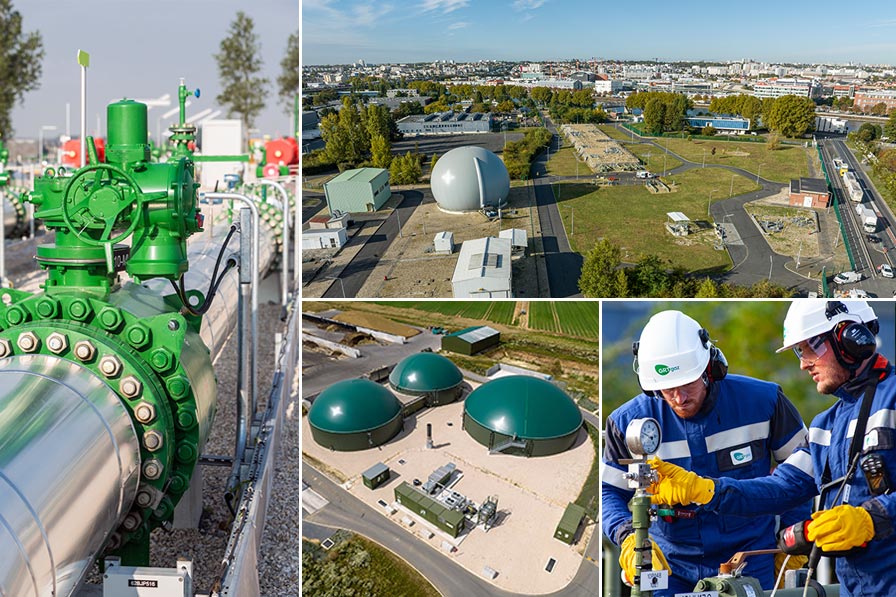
(643, 437)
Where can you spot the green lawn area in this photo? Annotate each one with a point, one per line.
(780, 165)
(614, 133)
(654, 157)
(564, 163)
(633, 218)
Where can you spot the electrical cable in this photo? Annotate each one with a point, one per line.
(214, 282)
(780, 575)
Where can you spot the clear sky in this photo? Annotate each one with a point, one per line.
(140, 49)
(345, 31)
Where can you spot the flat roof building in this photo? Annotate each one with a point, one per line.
(809, 192)
(721, 123)
(445, 123)
(483, 269)
(360, 190)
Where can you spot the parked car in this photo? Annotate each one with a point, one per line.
(643, 174)
(871, 238)
(858, 293)
(885, 270)
(847, 277)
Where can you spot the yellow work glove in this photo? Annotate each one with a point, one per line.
(678, 486)
(794, 563)
(627, 559)
(840, 528)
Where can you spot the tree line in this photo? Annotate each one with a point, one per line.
(604, 275)
(244, 92)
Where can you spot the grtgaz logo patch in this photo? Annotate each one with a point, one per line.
(742, 455)
(665, 369)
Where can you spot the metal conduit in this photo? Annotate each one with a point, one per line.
(69, 468)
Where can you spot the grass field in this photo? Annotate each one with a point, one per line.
(633, 218)
(578, 318)
(614, 133)
(564, 163)
(542, 316)
(653, 157)
(501, 312)
(780, 165)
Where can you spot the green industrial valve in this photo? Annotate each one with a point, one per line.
(102, 205)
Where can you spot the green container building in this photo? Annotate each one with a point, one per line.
(355, 414)
(376, 475)
(450, 521)
(428, 374)
(470, 341)
(569, 523)
(361, 190)
(522, 415)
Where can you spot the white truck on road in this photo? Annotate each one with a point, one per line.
(869, 219)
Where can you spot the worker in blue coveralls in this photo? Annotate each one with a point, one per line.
(712, 422)
(835, 342)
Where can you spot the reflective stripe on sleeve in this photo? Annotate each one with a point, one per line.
(820, 436)
(737, 436)
(782, 453)
(885, 417)
(671, 450)
(803, 461)
(613, 476)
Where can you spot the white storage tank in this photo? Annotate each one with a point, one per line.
(469, 179)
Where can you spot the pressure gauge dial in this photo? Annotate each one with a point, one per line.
(643, 437)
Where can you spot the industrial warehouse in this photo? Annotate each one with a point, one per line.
(483, 469)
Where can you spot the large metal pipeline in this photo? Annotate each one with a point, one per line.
(69, 462)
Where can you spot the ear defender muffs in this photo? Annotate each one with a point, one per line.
(650, 393)
(853, 342)
(718, 364)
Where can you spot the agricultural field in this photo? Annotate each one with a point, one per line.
(542, 316)
(579, 319)
(497, 312)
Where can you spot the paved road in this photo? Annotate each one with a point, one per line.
(345, 511)
(753, 260)
(359, 268)
(315, 201)
(563, 265)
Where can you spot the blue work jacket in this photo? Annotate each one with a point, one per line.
(866, 572)
(744, 427)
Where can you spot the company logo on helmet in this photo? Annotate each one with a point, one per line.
(665, 369)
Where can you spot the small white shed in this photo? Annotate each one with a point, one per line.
(443, 242)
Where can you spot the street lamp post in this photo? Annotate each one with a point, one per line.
(758, 170)
(40, 142)
(731, 190)
(572, 221)
(398, 216)
(799, 252)
(664, 164)
(710, 200)
(704, 157)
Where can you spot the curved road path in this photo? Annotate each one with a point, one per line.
(345, 511)
(752, 257)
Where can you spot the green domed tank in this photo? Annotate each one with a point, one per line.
(355, 414)
(428, 374)
(522, 415)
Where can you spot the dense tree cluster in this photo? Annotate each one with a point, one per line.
(603, 275)
(21, 63)
(742, 105)
(518, 154)
(355, 134)
(790, 115)
(663, 111)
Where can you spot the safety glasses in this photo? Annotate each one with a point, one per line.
(812, 349)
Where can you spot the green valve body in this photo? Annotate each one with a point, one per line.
(139, 342)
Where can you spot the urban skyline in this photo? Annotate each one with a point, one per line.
(345, 32)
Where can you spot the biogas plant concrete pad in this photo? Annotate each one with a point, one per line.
(532, 495)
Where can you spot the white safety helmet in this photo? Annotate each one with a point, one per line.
(808, 318)
(673, 350)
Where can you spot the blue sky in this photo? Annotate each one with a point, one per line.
(345, 31)
(140, 49)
